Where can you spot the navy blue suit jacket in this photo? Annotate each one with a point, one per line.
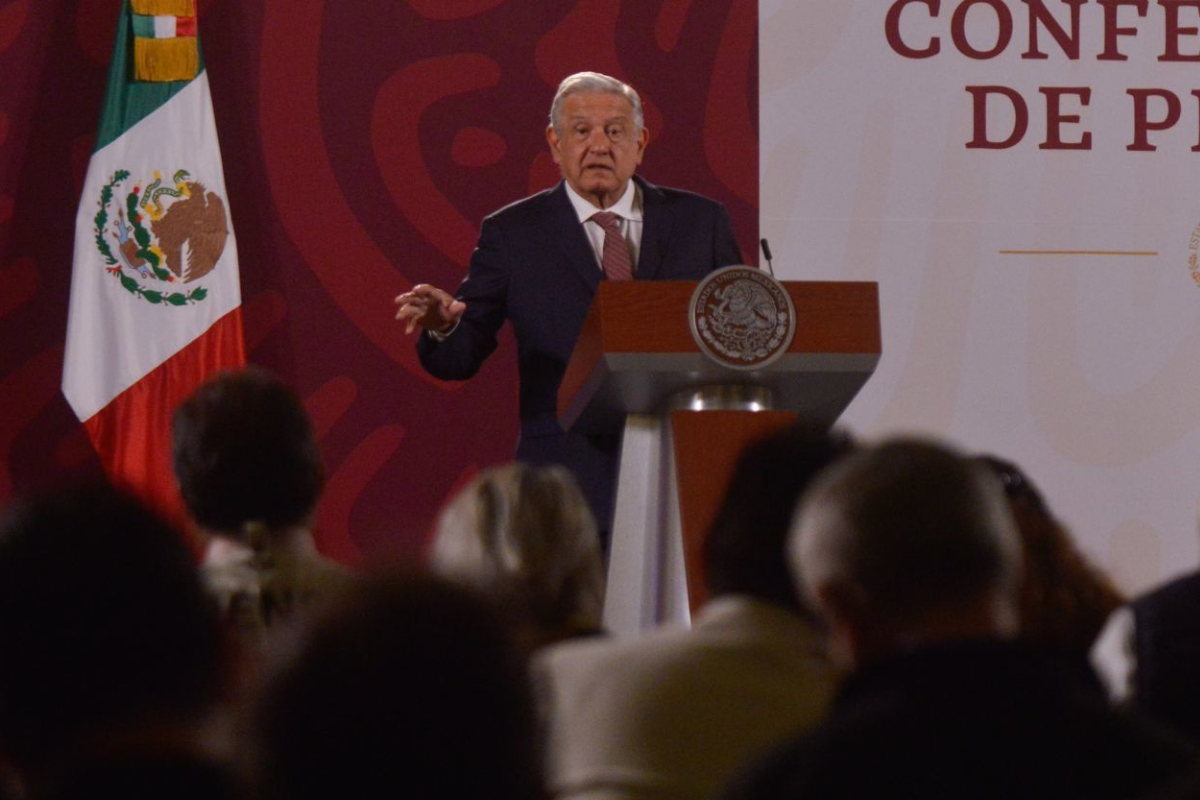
(534, 267)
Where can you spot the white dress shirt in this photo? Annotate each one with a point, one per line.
(628, 208)
(1114, 655)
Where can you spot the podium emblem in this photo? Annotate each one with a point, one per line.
(742, 318)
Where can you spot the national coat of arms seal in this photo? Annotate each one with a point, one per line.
(742, 318)
(166, 236)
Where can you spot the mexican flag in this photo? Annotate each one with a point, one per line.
(155, 302)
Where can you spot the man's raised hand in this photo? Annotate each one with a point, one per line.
(430, 308)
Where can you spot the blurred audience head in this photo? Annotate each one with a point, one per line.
(411, 686)
(245, 453)
(525, 537)
(905, 543)
(744, 551)
(104, 628)
(1065, 600)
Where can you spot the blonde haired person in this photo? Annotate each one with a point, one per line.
(525, 537)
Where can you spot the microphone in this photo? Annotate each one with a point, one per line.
(766, 248)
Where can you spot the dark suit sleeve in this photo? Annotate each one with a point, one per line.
(725, 246)
(485, 291)
(771, 776)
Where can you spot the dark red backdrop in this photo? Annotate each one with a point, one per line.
(363, 142)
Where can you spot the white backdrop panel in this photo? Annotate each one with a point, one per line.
(1083, 368)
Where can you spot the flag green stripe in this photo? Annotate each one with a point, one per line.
(126, 101)
(143, 26)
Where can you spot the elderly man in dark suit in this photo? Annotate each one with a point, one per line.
(539, 261)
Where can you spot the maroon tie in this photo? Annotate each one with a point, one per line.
(615, 262)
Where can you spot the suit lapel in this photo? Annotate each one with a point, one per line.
(568, 235)
(656, 231)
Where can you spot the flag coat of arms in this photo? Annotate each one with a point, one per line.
(155, 302)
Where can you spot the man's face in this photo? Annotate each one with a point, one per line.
(596, 146)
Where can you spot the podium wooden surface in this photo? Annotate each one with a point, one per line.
(707, 446)
(636, 368)
(635, 351)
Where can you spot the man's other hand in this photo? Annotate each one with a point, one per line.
(430, 308)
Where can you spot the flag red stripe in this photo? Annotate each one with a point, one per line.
(132, 434)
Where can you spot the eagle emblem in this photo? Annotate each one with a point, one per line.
(742, 318)
(167, 235)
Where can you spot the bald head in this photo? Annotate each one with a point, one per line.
(904, 536)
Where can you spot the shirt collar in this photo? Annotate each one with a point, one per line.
(628, 207)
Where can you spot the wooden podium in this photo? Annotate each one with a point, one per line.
(685, 418)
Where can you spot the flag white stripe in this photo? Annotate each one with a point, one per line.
(115, 338)
(164, 27)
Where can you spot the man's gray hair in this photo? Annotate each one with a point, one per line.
(595, 82)
(910, 527)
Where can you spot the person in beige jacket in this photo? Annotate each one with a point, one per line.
(672, 714)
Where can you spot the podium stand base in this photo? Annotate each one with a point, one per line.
(647, 577)
(655, 574)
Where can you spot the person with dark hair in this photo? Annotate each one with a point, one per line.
(910, 553)
(742, 553)
(1147, 653)
(410, 686)
(670, 714)
(110, 654)
(1064, 599)
(250, 473)
(525, 537)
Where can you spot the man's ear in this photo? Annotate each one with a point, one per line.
(642, 140)
(845, 609)
(552, 140)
